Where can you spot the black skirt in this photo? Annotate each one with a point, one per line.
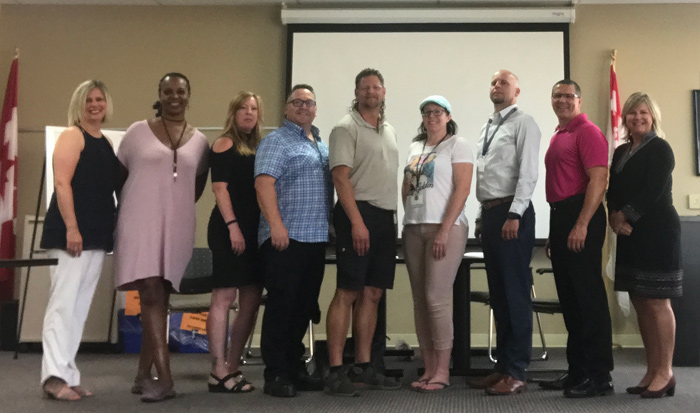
(649, 260)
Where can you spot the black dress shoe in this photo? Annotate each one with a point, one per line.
(280, 387)
(308, 382)
(563, 382)
(590, 388)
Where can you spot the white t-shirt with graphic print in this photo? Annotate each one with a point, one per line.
(429, 170)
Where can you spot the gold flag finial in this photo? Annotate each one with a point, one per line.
(16, 52)
(613, 57)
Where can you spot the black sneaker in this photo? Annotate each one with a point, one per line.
(339, 384)
(371, 379)
(280, 387)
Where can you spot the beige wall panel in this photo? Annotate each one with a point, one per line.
(226, 49)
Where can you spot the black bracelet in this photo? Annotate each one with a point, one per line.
(513, 215)
(233, 221)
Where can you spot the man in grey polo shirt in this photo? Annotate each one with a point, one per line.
(364, 164)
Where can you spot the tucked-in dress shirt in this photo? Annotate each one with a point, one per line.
(303, 182)
(509, 166)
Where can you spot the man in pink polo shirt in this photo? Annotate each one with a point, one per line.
(577, 174)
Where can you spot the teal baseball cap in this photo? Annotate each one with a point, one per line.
(438, 100)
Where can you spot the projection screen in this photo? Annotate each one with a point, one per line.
(456, 61)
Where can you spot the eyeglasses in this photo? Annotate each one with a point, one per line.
(565, 96)
(436, 113)
(297, 103)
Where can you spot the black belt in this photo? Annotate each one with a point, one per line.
(576, 199)
(486, 205)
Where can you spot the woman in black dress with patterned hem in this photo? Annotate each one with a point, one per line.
(232, 235)
(642, 215)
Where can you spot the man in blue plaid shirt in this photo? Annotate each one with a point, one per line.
(294, 190)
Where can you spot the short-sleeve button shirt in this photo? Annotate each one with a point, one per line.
(303, 182)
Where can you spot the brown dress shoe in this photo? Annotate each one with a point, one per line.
(485, 382)
(506, 386)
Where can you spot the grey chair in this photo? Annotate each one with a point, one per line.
(196, 286)
(538, 306)
(248, 355)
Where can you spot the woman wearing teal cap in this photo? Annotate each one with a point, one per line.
(437, 180)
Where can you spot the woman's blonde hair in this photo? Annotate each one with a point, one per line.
(76, 108)
(635, 100)
(244, 143)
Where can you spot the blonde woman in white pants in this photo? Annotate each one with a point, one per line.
(78, 231)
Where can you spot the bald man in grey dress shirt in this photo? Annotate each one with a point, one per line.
(507, 163)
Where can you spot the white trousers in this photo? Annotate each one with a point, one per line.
(73, 283)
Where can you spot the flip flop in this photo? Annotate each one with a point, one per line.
(445, 386)
(419, 384)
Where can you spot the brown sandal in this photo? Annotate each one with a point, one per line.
(63, 393)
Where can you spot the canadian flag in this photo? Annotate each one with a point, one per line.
(615, 120)
(8, 180)
(613, 136)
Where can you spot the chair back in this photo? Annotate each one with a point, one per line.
(197, 277)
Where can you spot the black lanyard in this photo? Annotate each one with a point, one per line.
(487, 141)
(419, 165)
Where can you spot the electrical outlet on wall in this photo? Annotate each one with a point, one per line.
(693, 201)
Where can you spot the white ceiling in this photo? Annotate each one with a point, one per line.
(347, 3)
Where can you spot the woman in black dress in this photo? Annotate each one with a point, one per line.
(232, 234)
(642, 215)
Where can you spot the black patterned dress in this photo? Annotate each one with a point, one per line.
(649, 259)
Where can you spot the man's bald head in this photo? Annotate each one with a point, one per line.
(504, 89)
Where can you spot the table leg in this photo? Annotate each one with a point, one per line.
(461, 358)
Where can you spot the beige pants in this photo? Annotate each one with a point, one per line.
(73, 283)
(431, 281)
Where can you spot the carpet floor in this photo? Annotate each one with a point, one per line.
(110, 376)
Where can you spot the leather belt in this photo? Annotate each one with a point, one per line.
(486, 205)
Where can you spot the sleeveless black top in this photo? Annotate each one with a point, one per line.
(93, 183)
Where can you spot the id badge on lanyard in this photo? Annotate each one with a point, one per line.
(416, 199)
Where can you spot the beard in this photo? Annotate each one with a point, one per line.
(498, 99)
(371, 104)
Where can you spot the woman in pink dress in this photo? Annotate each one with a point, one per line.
(165, 160)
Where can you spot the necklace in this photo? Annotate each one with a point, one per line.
(171, 120)
(174, 145)
(424, 158)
